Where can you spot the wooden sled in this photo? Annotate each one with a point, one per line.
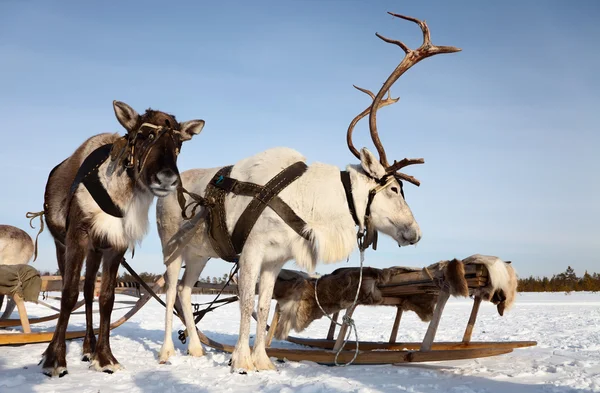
(54, 283)
(324, 351)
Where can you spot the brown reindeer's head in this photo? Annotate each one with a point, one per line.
(151, 145)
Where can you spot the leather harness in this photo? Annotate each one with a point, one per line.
(229, 247)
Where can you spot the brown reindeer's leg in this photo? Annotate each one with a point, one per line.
(103, 359)
(92, 263)
(60, 257)
(54, 362)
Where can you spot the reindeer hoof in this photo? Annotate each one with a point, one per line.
(165, 353)
(55, 372)
(195, 351)
(87, 357)
(241, 361)
(262, 362)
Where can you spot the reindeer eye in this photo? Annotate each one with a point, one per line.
(151, 136)
(395, 189)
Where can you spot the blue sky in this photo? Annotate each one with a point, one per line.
(508, 127)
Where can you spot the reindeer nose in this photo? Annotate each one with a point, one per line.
(413, 234)
(167, 178)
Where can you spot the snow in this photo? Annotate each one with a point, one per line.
(566, 359)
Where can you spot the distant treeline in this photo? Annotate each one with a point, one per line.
(563, 282)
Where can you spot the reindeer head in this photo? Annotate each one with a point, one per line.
(151, 146)
(387, 209)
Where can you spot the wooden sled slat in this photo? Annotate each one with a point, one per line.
(17, 322)
(442, 345)
(43, 337)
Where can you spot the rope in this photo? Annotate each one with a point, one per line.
(31, 216)
(346, 319)
(143, 283)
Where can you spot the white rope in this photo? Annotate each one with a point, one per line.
(346, 319)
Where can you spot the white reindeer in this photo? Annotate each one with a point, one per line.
(318, 197)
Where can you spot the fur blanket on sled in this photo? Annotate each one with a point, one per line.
(295, 291)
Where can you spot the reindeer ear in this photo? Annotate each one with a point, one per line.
(191, 128)
(371, 164)
(126, 115)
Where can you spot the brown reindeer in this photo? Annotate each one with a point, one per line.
(96, 206)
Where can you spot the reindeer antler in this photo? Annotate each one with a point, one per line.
(388, 101)
(411, 57)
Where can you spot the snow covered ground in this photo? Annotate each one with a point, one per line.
(567, 358)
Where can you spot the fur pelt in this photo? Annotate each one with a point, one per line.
(501, 288)
(295, 291)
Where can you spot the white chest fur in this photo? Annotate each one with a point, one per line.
(126, 231)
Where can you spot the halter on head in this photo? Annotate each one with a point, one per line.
(126, 145)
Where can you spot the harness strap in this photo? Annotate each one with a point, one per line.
(217, 224)
(345, 176)
(88, 175)
(263, 196)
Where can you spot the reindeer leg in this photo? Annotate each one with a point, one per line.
(241, 359)
(268, 275)
(193, 268)
(168, 349)
(54, 358)
(103, 359)
(60, 256)
(92, 263)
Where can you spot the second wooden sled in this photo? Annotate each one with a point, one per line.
(53, 283)
(323, 351)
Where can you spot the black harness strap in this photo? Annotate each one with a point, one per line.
(88, 175)
(345, 176)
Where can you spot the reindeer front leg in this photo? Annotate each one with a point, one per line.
(103, 359)
(268, 275)
(193, 268)
(54, 358)
(168, 349)
(92, 263)
(250, 261)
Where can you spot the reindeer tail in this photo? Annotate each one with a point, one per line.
(32, 216)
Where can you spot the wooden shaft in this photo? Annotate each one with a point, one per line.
(22, 312)
(342, 334)
(472, 319)
(273, 326)
(332, 325)
(394, 333)
(435, 321)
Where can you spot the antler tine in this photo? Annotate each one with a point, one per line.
(404, 162)
(401, 44)
(388, 101)
(408, 178)
(369, 92)
(426, 36)
(411, 58)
